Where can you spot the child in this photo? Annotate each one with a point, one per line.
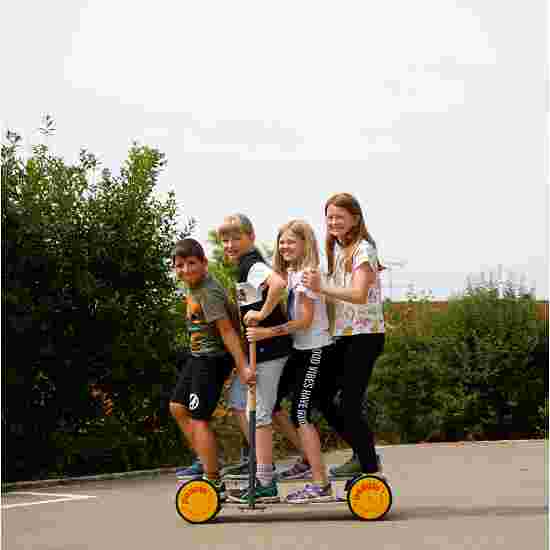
(296, 251)
(259, 292)
(354, 289)
(211, 326)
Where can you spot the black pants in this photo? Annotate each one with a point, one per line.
(307, 366)
(349, 372)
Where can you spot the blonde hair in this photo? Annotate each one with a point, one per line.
(236, 224)
(303, 231)
(356, 234)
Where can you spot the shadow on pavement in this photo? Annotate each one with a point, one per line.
(402, 514)
(445, 512)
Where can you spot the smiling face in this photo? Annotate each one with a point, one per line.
(339, 221)
(191, 270)
(291, 247)
(236, 244)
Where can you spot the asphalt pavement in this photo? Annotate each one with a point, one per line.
(445, 496)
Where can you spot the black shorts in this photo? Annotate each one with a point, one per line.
(200, 384)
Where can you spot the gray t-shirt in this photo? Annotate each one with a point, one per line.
(206, 304)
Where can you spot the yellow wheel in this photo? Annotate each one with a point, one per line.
(197, 501)
(369, 497)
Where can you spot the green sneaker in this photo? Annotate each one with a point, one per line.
(267, 493)
(352, 467)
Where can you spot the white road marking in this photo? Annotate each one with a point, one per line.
(62, 498)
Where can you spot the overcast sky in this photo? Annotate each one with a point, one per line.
(432, 112)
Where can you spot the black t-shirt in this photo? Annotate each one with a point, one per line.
(251, 295)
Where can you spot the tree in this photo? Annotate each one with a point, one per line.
(86, 300)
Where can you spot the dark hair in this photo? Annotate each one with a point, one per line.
(356, 233)
(187, 248)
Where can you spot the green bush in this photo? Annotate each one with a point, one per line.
(87, 298)
(478, 369)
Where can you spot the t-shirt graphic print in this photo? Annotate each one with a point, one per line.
(251, 291)
(205, 305)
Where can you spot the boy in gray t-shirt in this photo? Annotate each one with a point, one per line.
(206, 303)
(211, 323)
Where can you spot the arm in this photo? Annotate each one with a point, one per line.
(254, 334)
(232, 342)
(276, 285)
(363, 278)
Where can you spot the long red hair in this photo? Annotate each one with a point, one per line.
(356, 234)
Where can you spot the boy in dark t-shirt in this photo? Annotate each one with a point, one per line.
(210, 323)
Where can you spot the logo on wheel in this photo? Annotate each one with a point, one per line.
(193, 401)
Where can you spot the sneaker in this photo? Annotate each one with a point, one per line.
(267, 493)
(299, 470)
(189, 472)
(195, 470)
(352, 467)
(311, 493)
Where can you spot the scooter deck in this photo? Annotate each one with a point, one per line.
(298, 480)
(285, 484)
(336, 499)
(285, 480)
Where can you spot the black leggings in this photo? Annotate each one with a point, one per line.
(349, 371)
(307, 366)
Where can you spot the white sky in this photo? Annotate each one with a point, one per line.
(432, 112)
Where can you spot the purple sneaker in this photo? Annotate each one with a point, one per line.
(311, 493)
(299, 470)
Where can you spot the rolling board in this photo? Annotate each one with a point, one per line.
(367, 496)
(241, 482)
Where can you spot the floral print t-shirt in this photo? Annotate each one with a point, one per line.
(357, 318)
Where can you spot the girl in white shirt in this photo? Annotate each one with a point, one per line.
(354, 292)
(296, 251)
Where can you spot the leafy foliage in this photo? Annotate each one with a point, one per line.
(86, 299)
(477, 369)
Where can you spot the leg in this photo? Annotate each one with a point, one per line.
(206, 387)
(331, 389)
(312, 448)
(283, 424)
(180, 400)
(361, 354)
(183, 419)
(306, 390)
(205, 445)
(268, 374)
(281, 419)
(242, 422)
(237, 404)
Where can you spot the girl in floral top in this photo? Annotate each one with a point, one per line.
(353, 290)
